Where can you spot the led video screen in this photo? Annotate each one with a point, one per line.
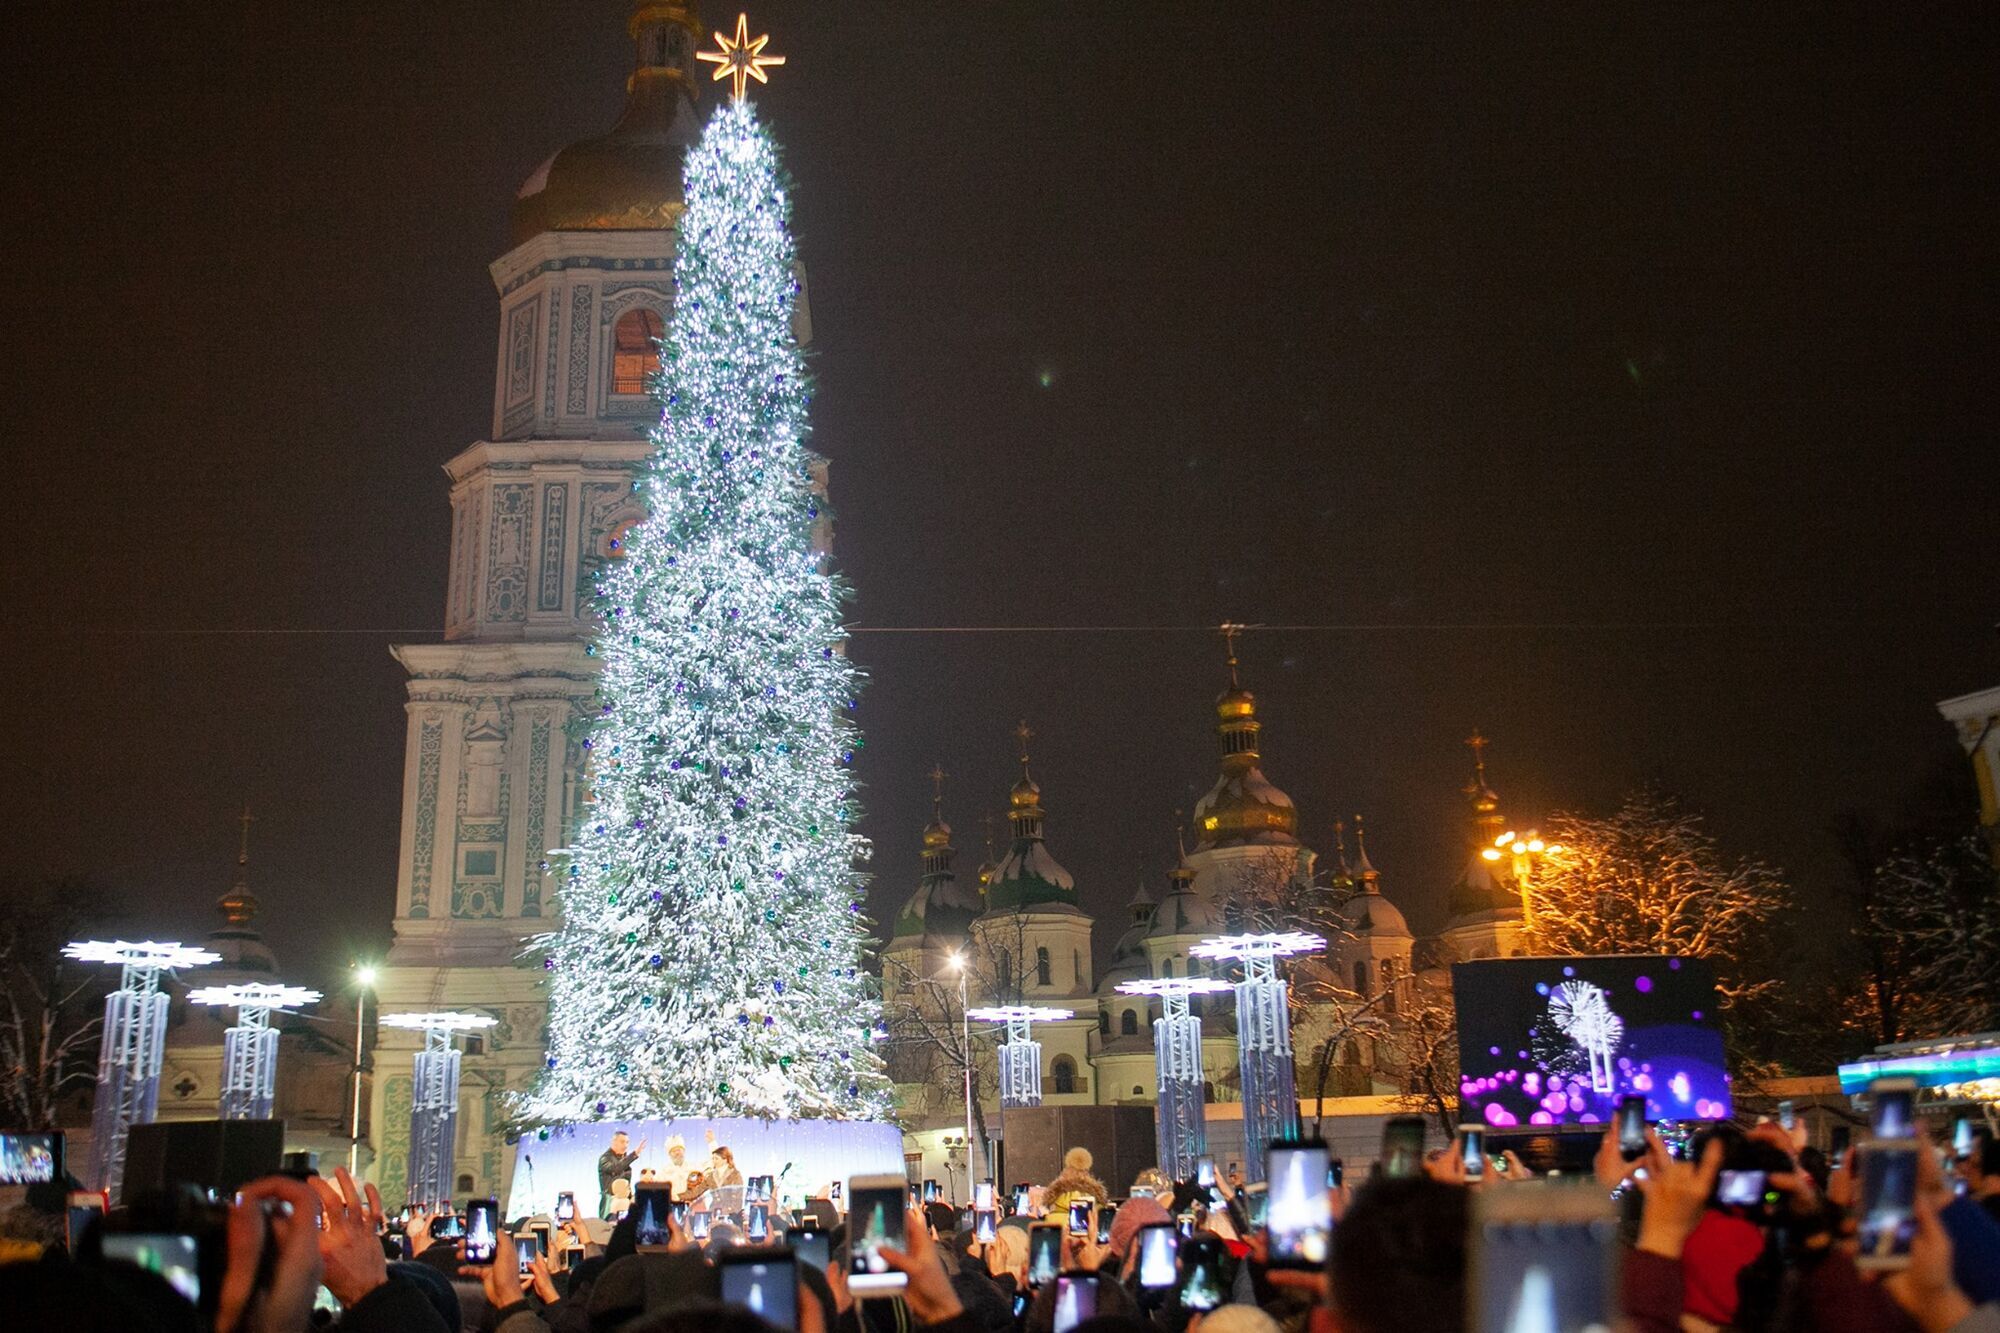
(1557, 1041)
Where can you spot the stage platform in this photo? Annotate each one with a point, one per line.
(803, 1154)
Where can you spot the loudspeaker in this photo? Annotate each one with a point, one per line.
(1121, 1141)
(222, 1155)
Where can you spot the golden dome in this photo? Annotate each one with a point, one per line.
(629, 179)
(238, 906)
(937, 835)
(1027, 794)
(1235, 702)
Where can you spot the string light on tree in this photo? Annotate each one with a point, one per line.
(709, 961)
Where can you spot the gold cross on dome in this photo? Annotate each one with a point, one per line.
(740, 59)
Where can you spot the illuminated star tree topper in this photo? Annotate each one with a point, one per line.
(740, 59)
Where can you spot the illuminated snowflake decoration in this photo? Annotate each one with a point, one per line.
(444, 1021)
(1281, 944)
(1018, 1013)
(142, 953)
(256, 995)
(1173, 986)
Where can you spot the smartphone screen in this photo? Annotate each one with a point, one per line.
(1256, 1205)
(933, 1192)
(1472, 1150)
(482, 1226)
(757, 1222)
(1886, 1209)
(982, 1195)
(1204, 1171)
(1631, 1127)
(813, 1249)
(1044, 1254)
(1741, 1189)
(698, 1224)
(679, 1212)
(766, 1284)
(1403, 1147)
(1201, 1273)
(874, 1220)
(1159, 1255)
(1076, 1300)
(174, 1256)
(85, 1207)
(1788, 1119)
(1298, 1212)
(524, 1254)
(1021, 1196)
(1105, 1217)
(652, 1205)
(30, 1159)
(447, 1226)
(1895, 1100)
(1335, 1174)
(983, 1222)
(1543, 1259)
(1963, 1138)
(1079, 1217)
(565, 1207)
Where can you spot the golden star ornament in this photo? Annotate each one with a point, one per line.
(740, 59)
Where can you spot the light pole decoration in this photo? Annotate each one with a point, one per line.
(1021, 1057)
(1263, 1035)
(250, 1048)
(434, 1099)
(1183, 1125)
(135, 1033)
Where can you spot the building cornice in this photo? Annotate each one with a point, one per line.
(501, 455)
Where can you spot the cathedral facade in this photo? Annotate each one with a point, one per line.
(1017, 934)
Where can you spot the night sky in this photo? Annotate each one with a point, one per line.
(1614, 380)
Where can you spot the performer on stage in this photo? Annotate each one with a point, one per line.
(679, 1169)
(615, 1164)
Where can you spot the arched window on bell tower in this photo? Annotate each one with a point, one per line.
(635, 351)
(1042, 969)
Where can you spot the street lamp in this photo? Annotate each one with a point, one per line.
(1525, 851)
(364, 981)
(956, 963)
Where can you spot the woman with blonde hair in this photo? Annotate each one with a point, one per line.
(1075, 1183)
(1007, 1257)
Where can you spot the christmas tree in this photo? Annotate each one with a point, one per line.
(709, 959)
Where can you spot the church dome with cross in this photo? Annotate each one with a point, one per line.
(1028, 876)
(1243, 808)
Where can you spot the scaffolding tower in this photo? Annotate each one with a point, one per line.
(1021, 1057)
(434, 1099)
(250, 1046)
(1263, 1035)
(1183, 1125)
(135, 1034)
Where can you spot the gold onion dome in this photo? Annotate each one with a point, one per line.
(1243, 806)
(629, 179)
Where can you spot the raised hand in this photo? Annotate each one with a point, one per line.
(1676, 1194)
(349, 1246)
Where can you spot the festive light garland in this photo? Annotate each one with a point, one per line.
(709, 960)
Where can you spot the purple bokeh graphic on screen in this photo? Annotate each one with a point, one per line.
(1557, 1041)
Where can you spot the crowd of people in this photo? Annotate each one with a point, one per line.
(289, 1254)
